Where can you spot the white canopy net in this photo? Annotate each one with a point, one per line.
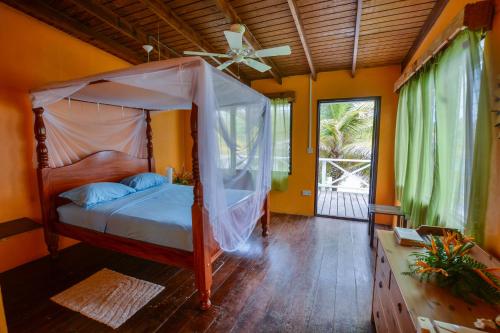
(234, 141)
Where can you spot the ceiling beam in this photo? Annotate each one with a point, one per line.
(300, 29)
(431, 19)
(42, 10)
(359, 9)
(122, 25)
(230, 14)
(167, 15)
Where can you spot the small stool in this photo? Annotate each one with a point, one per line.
(384, 210)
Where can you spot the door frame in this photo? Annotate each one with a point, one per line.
(375, 142)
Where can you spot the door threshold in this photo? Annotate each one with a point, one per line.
(355, 219)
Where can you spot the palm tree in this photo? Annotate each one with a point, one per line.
(346, 131)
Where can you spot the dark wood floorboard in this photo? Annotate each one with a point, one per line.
(312, 274)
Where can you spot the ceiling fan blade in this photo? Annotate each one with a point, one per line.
(225, 65)
(274, 51)
(234, 39)
(208, 54)
(257, 65)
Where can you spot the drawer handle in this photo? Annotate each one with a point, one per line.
(382, 259)
(400, 307)
(380, 284)
(378, 316)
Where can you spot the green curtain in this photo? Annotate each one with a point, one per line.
(281, 117)
(443, 140)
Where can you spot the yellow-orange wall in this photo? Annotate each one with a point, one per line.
(492, 52)
(330, 85)
(33, 54)
(169, 140)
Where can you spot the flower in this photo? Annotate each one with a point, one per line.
(486, 278)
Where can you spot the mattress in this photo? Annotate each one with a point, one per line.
(160, 215)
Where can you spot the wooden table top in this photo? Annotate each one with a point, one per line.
(427, 299)
(384, 209)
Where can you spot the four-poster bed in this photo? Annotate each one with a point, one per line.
(113, 166)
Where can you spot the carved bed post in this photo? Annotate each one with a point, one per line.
(201, 241)
(42, 154)
(266, 218)
(149, 136)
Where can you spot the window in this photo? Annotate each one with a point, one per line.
(443, 140)
(281, 121)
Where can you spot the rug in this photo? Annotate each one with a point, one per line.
(108, 297)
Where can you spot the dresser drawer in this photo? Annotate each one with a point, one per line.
(383, 269)
(399, 309)
(378, 315)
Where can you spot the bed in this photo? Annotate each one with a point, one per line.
(159, 215)
(169, 223)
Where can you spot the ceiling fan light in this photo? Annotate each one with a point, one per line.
(239, 28)
(148, 48)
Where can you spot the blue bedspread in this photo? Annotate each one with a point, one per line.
(159, 215)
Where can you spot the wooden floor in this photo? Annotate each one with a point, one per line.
(342, 204)
(309, 275)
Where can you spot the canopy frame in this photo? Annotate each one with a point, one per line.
(112, 166)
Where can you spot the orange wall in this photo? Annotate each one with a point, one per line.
(492, 228)
(492, 51)
(34, 54)
(168, 140)
(329, 85)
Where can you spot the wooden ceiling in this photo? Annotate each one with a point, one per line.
(324, 34)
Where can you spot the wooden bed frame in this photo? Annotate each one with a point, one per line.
(113, 166)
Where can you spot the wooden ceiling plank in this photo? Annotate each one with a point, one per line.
(433, 16)
(169, 17)
(396, 23)
(254, 10)
(230, 13)
(41, 10)
(391, 29)
(391, 18)
(337, 23)
(385, 7)
(349, 26)
(300, 29)
(121, 25)
(307, 3)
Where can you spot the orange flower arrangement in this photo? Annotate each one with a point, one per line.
(446, 261)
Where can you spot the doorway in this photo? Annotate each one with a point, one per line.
(346, 162)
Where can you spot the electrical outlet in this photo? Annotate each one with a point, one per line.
(306, 193)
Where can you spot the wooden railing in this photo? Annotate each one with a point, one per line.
(337, 165)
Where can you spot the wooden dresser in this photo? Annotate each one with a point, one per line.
(399, 299)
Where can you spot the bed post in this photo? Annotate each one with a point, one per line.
(42, 154)
(201, 241)
(149, 136)
(266, 218)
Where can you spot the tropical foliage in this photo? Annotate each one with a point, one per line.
(447, 263)
(346, 130)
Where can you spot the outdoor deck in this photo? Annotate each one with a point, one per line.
(342, 204)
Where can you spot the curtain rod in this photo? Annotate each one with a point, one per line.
(476, 16)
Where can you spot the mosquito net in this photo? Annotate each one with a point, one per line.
(233, 130)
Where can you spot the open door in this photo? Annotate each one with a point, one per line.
(347, 146)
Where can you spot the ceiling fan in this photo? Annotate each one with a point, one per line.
(240, 53)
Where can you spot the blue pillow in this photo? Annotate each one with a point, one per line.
(144, 180)
(91, 194)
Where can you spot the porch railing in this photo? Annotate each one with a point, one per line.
(343, 178)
